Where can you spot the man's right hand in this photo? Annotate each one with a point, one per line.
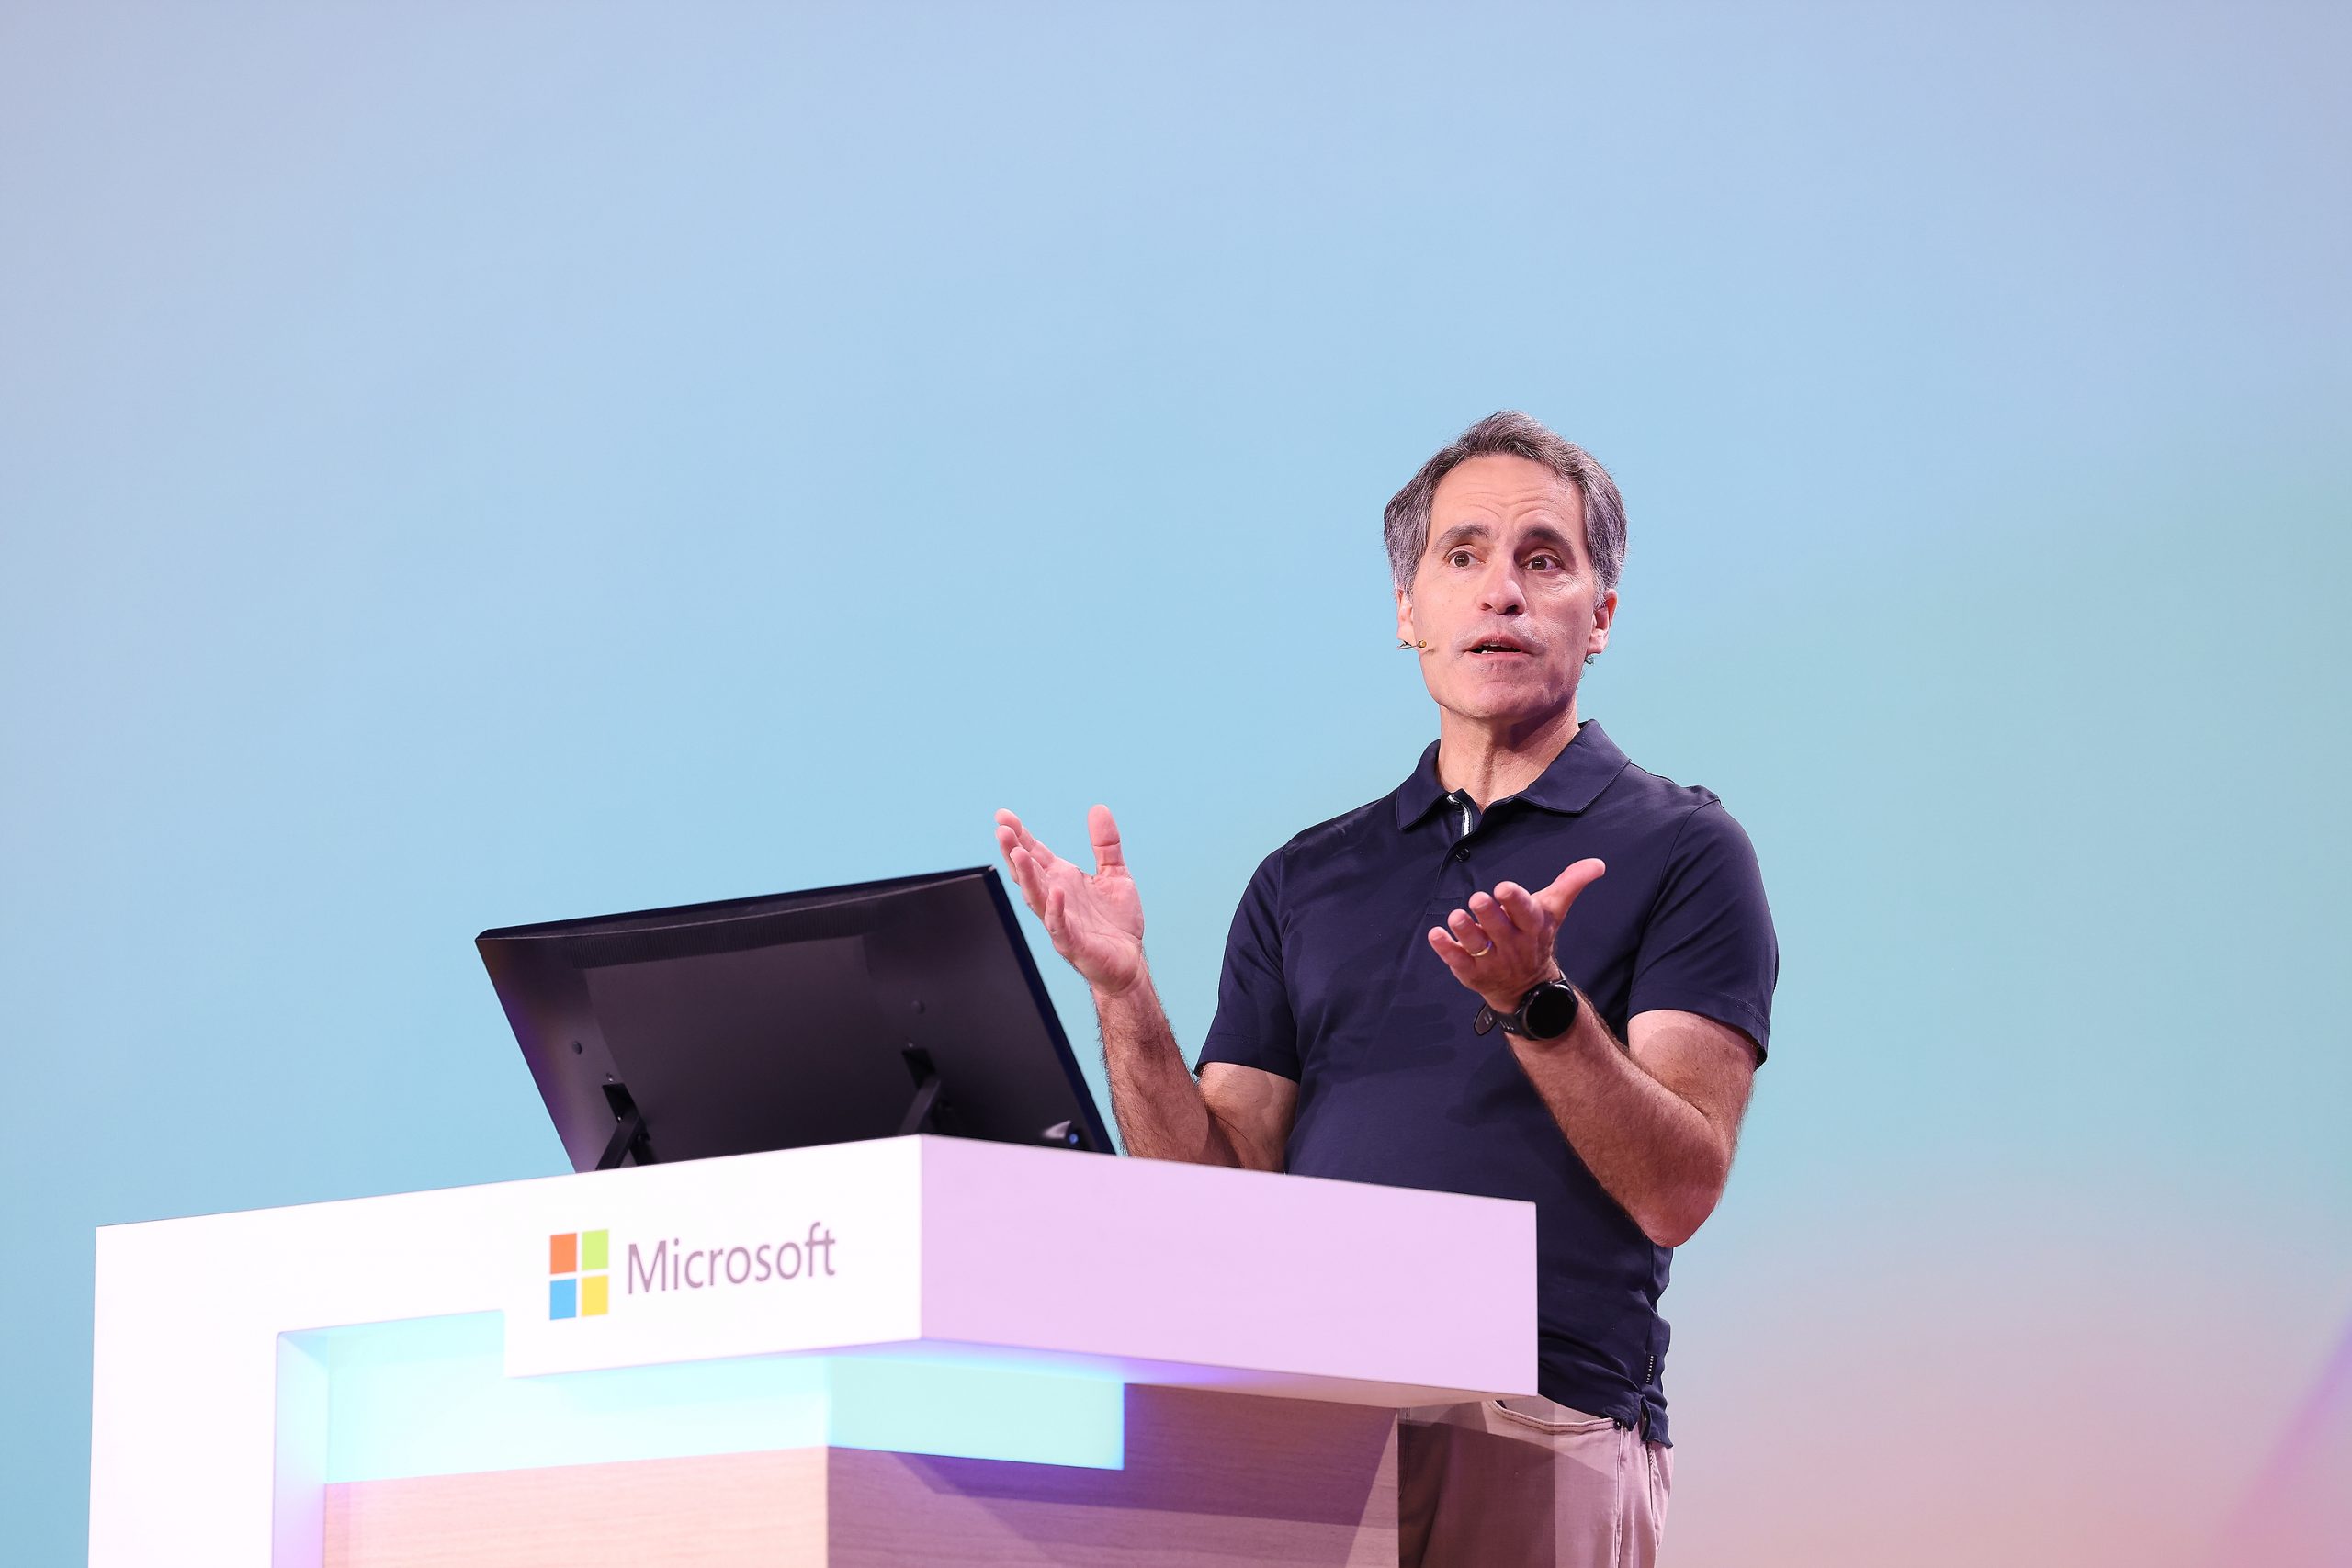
(1096, 921)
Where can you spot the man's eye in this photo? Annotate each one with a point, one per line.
(1457, 557)
(1542, 563)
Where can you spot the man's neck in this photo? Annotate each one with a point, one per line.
(1491, 760)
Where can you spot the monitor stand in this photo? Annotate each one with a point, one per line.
(629, 1141)
(924, 1113)
(927, 1113)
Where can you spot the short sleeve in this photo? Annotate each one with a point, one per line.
(1254, 1027)
(1709, 947)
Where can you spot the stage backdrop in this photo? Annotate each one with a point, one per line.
(462, 466)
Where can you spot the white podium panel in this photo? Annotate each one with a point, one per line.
(979, 1303)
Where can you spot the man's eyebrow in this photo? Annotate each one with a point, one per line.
(1461, 533)
(1543, 534)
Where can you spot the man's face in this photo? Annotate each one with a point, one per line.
(1504, 594)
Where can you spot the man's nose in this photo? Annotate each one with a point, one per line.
(1501, 594)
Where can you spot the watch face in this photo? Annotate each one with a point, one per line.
(1550, 1011)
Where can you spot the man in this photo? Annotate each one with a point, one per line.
(1533, 971)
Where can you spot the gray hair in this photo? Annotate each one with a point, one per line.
(1511, 433)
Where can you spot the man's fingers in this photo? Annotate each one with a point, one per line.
(1104, 829)
(1520, 906)
(1007, 822)
(1457, 958)
(1475, 940)
(1493, 916)
(1025, 877)
(1564, 887)
(1010, 833)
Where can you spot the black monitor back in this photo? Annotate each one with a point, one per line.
(799, 1019)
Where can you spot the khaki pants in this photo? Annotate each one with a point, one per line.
(1526, 1483)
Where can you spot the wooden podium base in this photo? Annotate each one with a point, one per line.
(1210, 1480)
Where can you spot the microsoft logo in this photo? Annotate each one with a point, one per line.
(578, 1285)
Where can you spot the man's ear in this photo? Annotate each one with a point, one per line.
(1405, 632)
(1604, 615)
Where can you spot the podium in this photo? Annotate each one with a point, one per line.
(911, 1350)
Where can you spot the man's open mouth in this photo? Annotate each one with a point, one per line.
(1498, 645)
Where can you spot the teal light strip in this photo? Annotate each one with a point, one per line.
(430, 1396)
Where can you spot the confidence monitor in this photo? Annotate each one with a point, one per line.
(866, 1012)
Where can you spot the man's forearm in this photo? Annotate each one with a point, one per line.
(1649, 1149)
(1154, 1097)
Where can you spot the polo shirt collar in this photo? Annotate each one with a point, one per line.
(1573, 781)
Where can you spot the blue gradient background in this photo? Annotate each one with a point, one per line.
(466, 465)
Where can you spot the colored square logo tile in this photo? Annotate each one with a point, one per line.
(564, 1253)
(595, 1294)
(563, 1298)
(593, 1247)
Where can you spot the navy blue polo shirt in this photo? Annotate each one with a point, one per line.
(1329, 981)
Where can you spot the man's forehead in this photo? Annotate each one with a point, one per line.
(1500, 486)
(1504, 492)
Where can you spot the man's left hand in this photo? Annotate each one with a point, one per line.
(1502, 944)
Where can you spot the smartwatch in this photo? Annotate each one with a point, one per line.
(1546, 1012)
